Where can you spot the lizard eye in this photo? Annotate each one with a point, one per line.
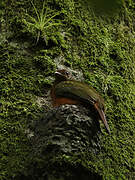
(67, 73)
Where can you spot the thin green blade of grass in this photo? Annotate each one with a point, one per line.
(53, 24)
(42, 14)
(36, 11)
(45, 15)
(52, 17)
(32, 18)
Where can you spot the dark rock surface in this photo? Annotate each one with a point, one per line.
(60, 138)
(71, 128)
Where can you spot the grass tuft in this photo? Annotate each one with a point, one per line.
(43, 21)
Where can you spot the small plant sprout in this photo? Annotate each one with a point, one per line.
(42, 22)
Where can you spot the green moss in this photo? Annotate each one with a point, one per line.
(102, 47)
(22, 79)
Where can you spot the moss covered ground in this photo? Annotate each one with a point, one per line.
(102, 46)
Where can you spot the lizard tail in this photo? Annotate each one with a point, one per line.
(102, 115)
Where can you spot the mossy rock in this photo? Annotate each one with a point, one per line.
(102, 47)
